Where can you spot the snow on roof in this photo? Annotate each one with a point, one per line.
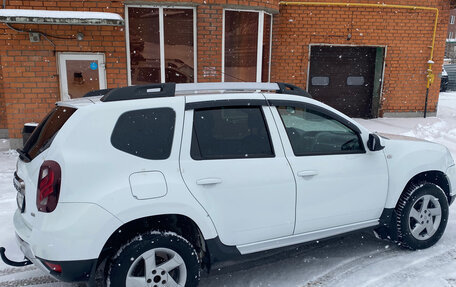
(24, 16)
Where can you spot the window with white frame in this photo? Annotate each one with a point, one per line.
(451, 35)
(452, 19)
(247, 46)
(161, 45)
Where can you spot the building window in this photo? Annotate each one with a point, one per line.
(451, 35)
(161, 45)
(452, 19)
(355, 81)
(247, 46)
(320, 81)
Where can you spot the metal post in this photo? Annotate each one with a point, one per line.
(425, 104)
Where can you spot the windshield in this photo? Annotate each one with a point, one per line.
(43, 135)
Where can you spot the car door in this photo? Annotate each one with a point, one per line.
(339, 182)
(233, 163)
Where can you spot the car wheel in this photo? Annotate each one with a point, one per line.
(155, 259)
(422, 215)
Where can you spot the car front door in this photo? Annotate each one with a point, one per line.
(339, 182)
(233, 163)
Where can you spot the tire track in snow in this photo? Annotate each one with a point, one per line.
(360, 265)
(427, 263)
(9, 271)
(29, 281)
(351, 266)
(31, 276)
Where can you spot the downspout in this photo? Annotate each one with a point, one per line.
(430, 75)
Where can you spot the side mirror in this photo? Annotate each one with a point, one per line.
(374, 143)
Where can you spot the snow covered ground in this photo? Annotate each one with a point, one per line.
(357, 259)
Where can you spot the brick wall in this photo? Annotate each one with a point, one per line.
(210, 35)
(3, 118)
(30, 72)
(407, 34)
(452, 27)
(450, 49)
(30, 84)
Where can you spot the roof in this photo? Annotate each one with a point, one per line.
(27, 16)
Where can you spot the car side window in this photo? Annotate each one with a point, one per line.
(145, 133)
(229, 133)
(312, 132)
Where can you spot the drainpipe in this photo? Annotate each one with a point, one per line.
(430, 76)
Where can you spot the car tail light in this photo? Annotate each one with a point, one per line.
(54, 267)
(48, 191)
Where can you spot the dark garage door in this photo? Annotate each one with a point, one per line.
(343, 78)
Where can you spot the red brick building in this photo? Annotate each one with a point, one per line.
(452, 25)
(450, 52)
(367, 61)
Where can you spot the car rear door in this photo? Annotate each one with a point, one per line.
(233, 163)
(339, 182)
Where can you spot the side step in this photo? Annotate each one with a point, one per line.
(13, 263)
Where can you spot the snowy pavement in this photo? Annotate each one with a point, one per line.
(357, 259)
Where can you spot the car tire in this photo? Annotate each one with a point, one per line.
(155, 259)
(422, 215)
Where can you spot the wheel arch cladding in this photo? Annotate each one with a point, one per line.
(432, 176)
(180, 224)
(387, 222)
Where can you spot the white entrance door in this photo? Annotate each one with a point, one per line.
(81, 73)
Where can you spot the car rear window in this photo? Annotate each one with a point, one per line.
(145, 133)
(46, 131)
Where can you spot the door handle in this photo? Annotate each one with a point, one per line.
(209, 181)
(307, 173)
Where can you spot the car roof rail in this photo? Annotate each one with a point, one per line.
(140, 92)
(226, 86)
(280, 88)
(170, 89)
(290, 89)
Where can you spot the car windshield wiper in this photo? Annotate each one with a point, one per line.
(23, 155)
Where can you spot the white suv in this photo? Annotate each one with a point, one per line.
(155, 183)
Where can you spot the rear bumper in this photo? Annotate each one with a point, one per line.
(72, 271)
(72, 237)
(72, 232)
